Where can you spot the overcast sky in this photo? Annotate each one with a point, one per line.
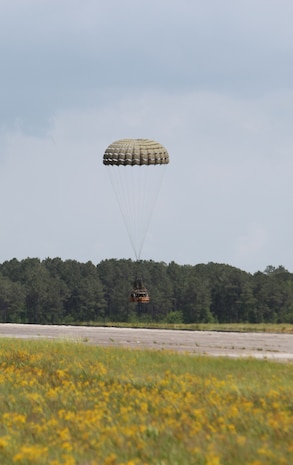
(211, 80)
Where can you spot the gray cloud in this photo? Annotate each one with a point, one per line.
(212, 81)
(57, 55)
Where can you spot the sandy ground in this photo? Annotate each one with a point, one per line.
(229, 344)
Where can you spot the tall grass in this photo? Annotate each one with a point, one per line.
(74, 404)
(238, 327)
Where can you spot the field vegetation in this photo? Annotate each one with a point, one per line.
(75, 404)
(229, 327)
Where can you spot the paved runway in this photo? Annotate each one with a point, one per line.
(230, 344)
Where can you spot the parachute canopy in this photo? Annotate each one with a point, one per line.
(136, 168)
(135, 152)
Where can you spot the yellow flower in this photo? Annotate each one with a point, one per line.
(4, 441)
(110, 460)
(68, 460)
(30, 453)
(241, 440)
(213, 460)
(67, 446)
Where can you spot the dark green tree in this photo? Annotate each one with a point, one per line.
(12, 301)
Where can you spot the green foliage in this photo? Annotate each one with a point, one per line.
(174, 317)
(54, 291)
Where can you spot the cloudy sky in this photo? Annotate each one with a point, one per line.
(211, 80)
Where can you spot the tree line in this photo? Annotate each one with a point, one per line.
(53, 291)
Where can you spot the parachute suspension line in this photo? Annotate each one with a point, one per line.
(136, 189)
(124, 201)
(150, 190)
(146, 208)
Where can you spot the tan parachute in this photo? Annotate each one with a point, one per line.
(131, 152)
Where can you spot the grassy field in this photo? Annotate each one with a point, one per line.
(74, 404)
(238, 327)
